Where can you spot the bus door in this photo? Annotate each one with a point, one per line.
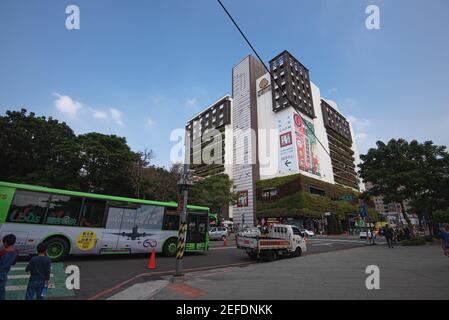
(111, 233)
(122, 232)
(196, 231)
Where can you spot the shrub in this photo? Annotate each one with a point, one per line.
(441, 216)
(417, 241)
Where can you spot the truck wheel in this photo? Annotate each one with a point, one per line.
(298, 252)
(252, 255)
(271, 255)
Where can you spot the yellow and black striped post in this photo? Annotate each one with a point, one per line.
(182, 209)
(181, 241)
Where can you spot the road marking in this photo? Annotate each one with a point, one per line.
(18, 280)
(24, 287)
(337, 240)
(18, 269)
(22, 276)
(321, 244)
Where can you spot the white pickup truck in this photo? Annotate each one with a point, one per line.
(269, 244)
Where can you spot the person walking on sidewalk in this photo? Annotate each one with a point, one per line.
(8, 257)
(444, 236)
(389, 236)
(40, 268)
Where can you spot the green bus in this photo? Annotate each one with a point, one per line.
(71, 222)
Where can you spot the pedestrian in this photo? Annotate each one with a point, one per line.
(8, 257)
(389, 236)
(444, 236)
(39, 268)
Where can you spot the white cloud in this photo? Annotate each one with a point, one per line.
(73, 109)
(150, 122)
(67, 105)
(191, 103)
(98, 114)
(116, 116)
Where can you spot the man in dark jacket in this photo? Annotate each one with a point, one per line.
(40, 268)
(389, 236)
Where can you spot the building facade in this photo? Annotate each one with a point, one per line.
(278, 125)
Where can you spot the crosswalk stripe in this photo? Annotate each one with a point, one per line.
(21, 276)
(24, 287)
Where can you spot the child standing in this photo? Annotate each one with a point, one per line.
(8, 257)
(40, 268)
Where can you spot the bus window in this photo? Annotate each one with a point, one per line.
(171, 220)
(192, 226)
(149, 217)
(28, 207)
(128, 218)
(114, 218)
(93, 213)
(63, 210)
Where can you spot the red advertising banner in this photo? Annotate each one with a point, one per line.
(242, 199)
(306, 145)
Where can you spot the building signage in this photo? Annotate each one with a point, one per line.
(242, 200)
(306, 145)
(288, 163)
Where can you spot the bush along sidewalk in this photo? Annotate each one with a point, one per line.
(417, 241)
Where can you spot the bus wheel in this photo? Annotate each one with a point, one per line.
(170, 246)
(57, 248)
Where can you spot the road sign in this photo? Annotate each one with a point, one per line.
(363, 212)
(360, 223)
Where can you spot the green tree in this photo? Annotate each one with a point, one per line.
(160, 184)
(413, 171)
(137, 170)
(38, 150)
(106, 160)
(214, 192)
(334, 225)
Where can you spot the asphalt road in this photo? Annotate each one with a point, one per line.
(102, 276)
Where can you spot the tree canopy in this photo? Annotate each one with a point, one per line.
(43, 151)
(418, 172)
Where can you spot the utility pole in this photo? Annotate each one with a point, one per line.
(182, 210)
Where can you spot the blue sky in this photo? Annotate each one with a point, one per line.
(141, 68)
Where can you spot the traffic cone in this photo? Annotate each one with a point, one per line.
(152, 262)
(225, 242)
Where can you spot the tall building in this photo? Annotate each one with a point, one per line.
(206, 129)
(244, 120)
(280, 125)
(341, 148)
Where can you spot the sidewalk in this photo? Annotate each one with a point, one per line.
(405, 273)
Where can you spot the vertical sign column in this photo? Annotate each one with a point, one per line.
(243, 211)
